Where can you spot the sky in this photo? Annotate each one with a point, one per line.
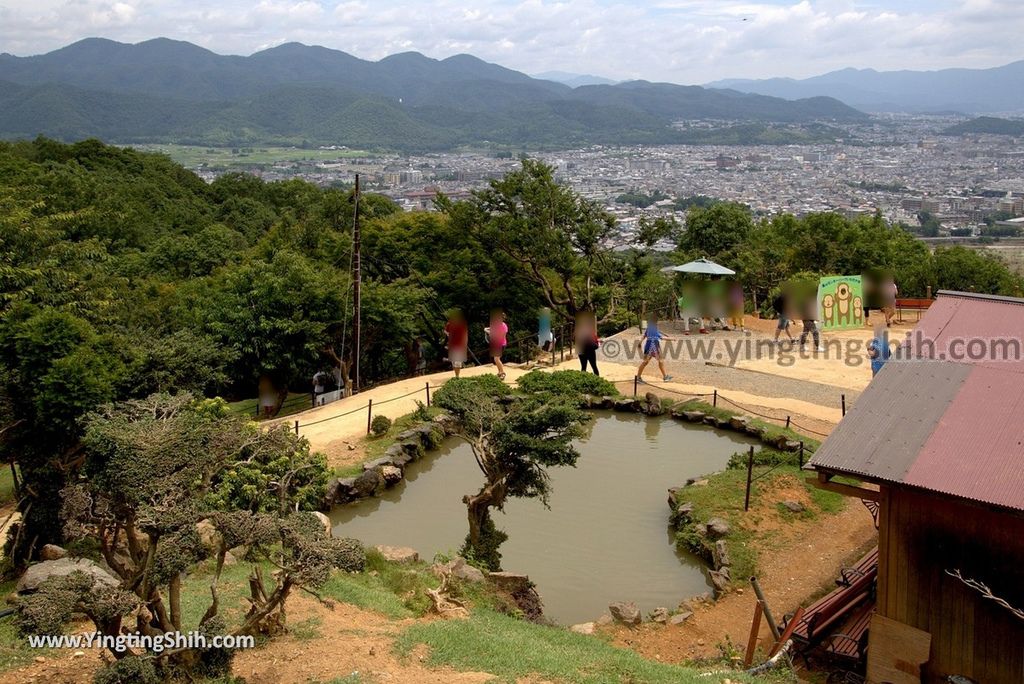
(680, 41)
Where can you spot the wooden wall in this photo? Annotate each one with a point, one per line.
(922, 535)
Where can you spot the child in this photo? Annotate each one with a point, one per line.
(651, 344)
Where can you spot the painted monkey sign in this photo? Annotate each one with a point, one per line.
(840, 302)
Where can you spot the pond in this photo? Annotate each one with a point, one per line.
(605, 537)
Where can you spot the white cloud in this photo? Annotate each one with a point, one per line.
(685, 41)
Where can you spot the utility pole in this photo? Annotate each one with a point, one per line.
(356, 278)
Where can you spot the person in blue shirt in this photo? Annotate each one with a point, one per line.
(651, 345)
(878, 350)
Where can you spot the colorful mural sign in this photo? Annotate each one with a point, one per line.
(840, 302)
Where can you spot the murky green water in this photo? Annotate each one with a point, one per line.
(605, 537)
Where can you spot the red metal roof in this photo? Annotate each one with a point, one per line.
(947, 423)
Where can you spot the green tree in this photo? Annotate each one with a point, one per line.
(514, 440)
(716, 231)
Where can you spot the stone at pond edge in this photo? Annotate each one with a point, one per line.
(682, 515)
(738, 423)
(791, 445)
(680, 618)
(659, 615)
(607, 402)
(794, 506)
(339, 491)
(52, 552)
(625, 613)
(583, 628)
(604, 620)
(377, 463)
(326, 522)
(721, 554)
(460, 569)
(40, 572)
(398, 554)
(716, 527)
(627, 405)
(209, 536)
(368, 484)
(720, 579)
(694, 416)
(522, 591)
(391, 475)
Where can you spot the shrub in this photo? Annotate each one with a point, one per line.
(380, 425)
(763, 457)
(566, 383)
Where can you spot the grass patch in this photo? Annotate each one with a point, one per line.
(723, 496)
(397, 591)
(375, 446)
(512, 649)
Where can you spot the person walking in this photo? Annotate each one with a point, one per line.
(889, 307)
(779, 304)
(497, 338)
(651, 345)
(587, 341)
(456, 331)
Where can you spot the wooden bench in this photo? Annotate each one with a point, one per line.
(856, 587)
(851, 641)
(867, 564)
(917, 304)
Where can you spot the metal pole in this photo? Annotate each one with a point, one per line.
(843, 399)
(428, 394)
(561, 343)
(356, 281)
(296, 427)
(787, 422)
(750, 473)
(714, 400)
(636, 379)
(764, 605)
(369, 414)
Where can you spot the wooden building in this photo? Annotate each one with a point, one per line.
(937, 439)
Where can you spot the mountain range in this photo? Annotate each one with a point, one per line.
(172, 91)
(975, 91)
(574, 80)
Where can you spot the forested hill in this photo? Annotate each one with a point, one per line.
(164, 90)
(990, 125)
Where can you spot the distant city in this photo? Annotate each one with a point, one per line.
(901, 166)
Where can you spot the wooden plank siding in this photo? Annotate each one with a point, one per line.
(921, 535)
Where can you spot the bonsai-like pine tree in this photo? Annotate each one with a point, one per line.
(169, 481)
(514, 439)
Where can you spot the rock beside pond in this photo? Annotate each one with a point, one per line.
(377, 463)
(326, 522)
(604, 620)
(709, 420)
(680, 618)
(523, 593)
(723, 423)
(460, 569)
(659, 615)
(627, 405)
(52, 552)
(794, 506)
(791, 445)
(391, 474)
(61, 567)
(739, 423)
(694, 416)
(720, 579)
(720, 553)
(754, 430)
(339, 491)
(682, 515)
(447, 423)
(413, 448)
(716, 528)
(625, 613)
(368, 484)
(583, 628)
(398, 554)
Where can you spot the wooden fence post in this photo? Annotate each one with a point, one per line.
(750, 473)
(369, 415)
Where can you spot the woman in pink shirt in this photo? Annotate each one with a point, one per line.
(497, 338)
